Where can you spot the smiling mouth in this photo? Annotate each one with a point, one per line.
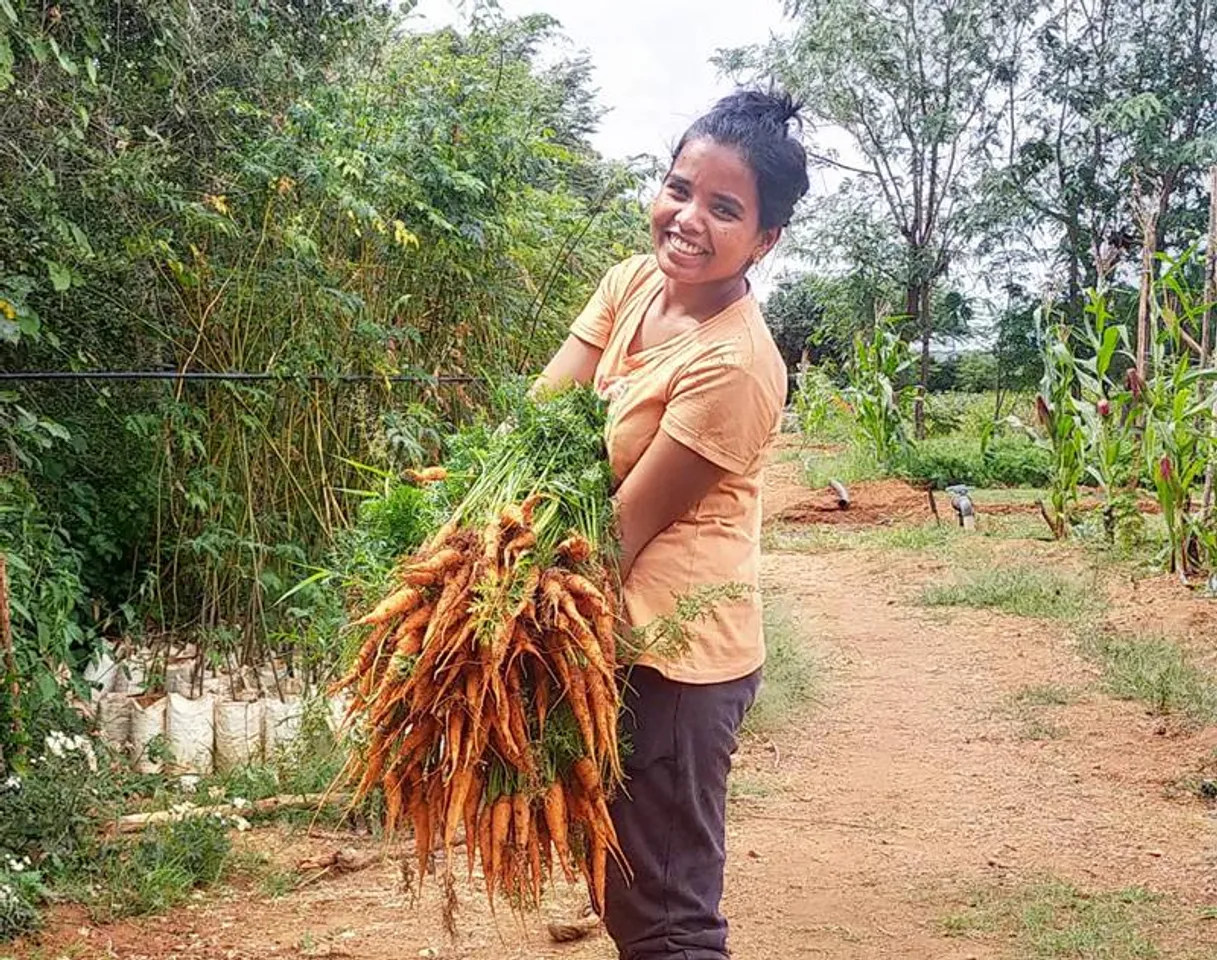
(681, 245)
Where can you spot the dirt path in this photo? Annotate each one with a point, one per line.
(854, 832)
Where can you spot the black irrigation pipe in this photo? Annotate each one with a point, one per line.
(234, 377)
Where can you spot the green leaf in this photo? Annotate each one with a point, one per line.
(61, 276)
(66, 63)
(7, 9)
(90, 68)
(1111, 340)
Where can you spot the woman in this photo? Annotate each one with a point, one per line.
(696, 386)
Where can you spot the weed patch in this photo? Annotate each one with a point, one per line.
(791, 675)
(1155, 671)
(1021, 591)
(1053, 920)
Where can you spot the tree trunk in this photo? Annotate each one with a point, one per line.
(912, 308)
(1149, 236)
(1206, 346)
(927, 330)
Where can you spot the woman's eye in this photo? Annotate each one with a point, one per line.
(727, 213)
(677, 190)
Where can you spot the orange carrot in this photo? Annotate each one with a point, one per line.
(500, 826)
(534, 866)
(420, 815)
(576, 548)
(579, 706)
(458, 790)
(394, 605)
(473, 799)
(486, 848)
(555, 822)
(597, 866)
(426, 475)
(604, 717)
(521, 820)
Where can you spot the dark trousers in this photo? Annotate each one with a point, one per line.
(671, 818)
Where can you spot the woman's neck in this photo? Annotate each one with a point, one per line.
(703, 300)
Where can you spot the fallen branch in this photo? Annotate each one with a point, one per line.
(134, 822)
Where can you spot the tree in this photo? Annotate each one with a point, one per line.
(1118, 103)
(915, 84)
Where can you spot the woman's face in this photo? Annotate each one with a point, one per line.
(705, 222)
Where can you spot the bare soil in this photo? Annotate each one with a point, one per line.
(855, 830)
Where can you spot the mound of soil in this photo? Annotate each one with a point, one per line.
(871, 502)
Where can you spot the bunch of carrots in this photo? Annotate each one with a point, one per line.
(484, 692)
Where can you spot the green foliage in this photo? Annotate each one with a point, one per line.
(50, 623)
(819, 410)
(1011, 461)
(278, 190)
(1063, 438)
(874, 372)
(21, 893)
(159, 869)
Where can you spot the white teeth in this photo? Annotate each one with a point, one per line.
(683, 245)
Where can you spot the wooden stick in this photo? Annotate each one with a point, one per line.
(1149, 234)
(10, 660)
(134, 822)
(1210, 295)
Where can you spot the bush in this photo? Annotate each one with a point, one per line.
(1004, 462)
(20, 893)
(158, 870)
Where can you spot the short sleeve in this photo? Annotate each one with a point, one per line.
(595, 323)
(723, 411)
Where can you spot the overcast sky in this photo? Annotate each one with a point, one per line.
(652, 68)
(651, 57)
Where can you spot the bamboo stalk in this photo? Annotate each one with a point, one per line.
(10, 660)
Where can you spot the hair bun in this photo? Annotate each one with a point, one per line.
(775, 106)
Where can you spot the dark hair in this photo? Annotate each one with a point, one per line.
(757, 124)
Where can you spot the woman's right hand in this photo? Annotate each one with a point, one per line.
(575, 362)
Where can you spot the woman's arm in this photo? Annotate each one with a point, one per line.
(575, 362)
(666, 483)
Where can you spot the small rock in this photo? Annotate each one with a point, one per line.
(428, 952)
(1154, 853)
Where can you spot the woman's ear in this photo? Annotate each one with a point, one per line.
(769, 239)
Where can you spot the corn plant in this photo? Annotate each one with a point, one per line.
(1106, 410)
(878, 401)
(1177, 441)
(1056, 409)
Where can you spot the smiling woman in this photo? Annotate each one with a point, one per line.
(676, 342)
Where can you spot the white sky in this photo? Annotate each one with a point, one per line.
(651, 57)
(651, 61)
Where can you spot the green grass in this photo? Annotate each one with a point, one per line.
(1156, 671)
(1054, 920)
(851, 465)
(1043, 695)
(1037, 729)
(1021, 591)
(791, 676)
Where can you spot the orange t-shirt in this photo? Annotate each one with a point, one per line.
(719, 390)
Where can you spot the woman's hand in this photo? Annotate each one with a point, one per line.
(575, 362)
(666, 483)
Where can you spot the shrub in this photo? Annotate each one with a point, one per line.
(1003, 462)
(158, 870)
